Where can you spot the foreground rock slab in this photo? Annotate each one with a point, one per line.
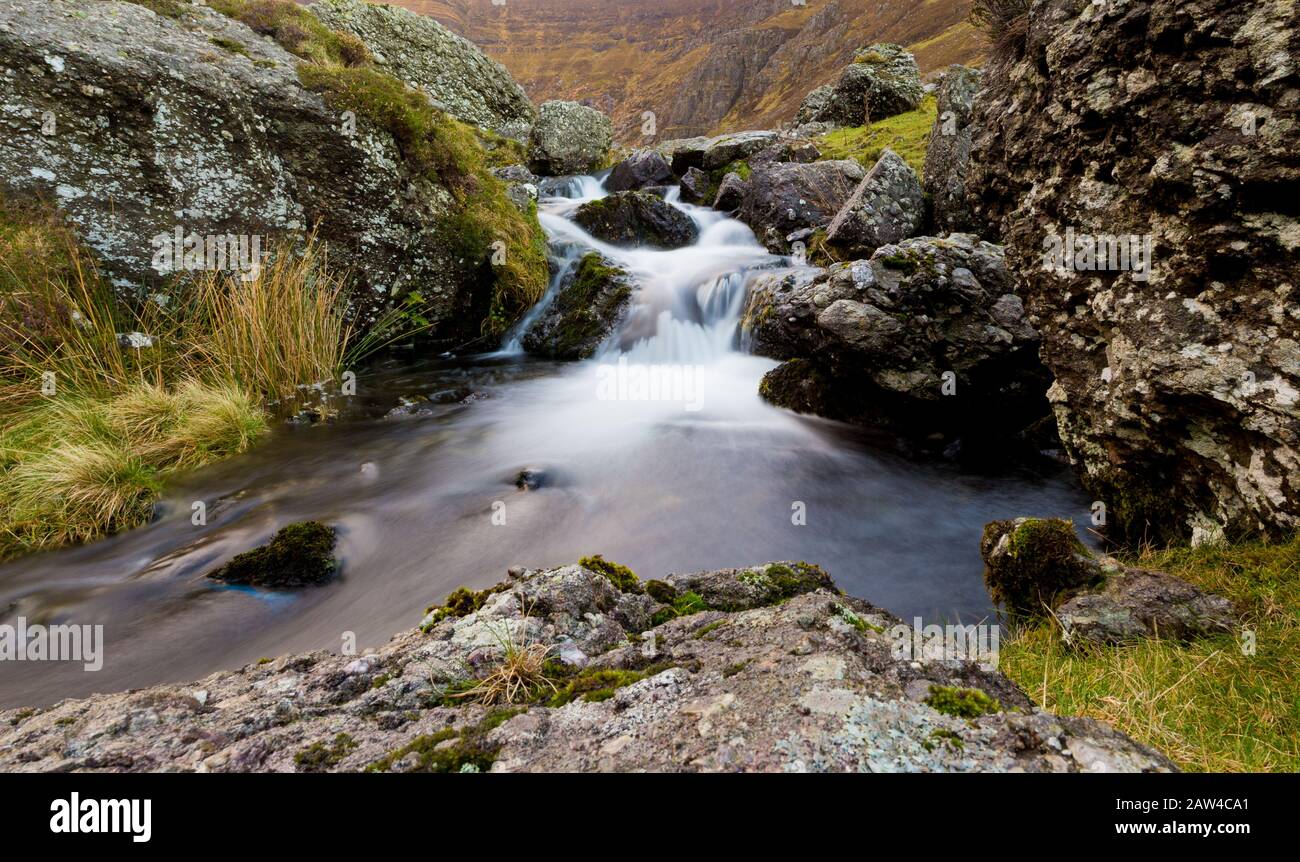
(791, 677)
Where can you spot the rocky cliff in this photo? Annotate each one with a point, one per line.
(701, 68)
(1166, 128)
(760, 669)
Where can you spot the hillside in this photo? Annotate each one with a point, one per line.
(700, 65)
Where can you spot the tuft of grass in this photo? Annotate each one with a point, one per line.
(1229, 703)
(1004, 22)
(519, 676)
(907, 134)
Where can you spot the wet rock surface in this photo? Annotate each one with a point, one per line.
(794, 677)
(1178, 387)
(592, 301)
(785, 197)
(637, 219)
(926, 335)
(641, 169)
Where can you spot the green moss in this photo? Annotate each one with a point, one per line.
(296, 30)
(232, 45)
(907, 134)
(298, 555)
(460, 603)
(470, 751)
(961, 702)
(593, 685)
(903, 262)
(942, 736)
(318, 756)
(166, 8)
(682, 605)
(847, 614)
(705, 630)
(661, 591)
(732, 670)
(781, 582)
(620, 576)
(1044, 559)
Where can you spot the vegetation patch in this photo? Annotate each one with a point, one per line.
(319, 757)
(1227, 703)
(907, 134)
(682, 605)
(961, 702)
(461, 603)
(1043, 559)
(298, 555)
(592, 685)
(620, 576)
(296, 30)
(449, 750)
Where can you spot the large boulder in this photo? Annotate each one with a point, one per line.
(710, 154)
(887, 207)
(569, 138)
(767, 668)
(592, 301)
(784, 198)
(137, 126)
(637, 219)
(883, 80)
(459, 77)
(927, 337)
(1177, 371)
(641, 169)
(948, 153)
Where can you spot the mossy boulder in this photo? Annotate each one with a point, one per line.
(591, 302)
(883, 80)
(299, 555)
(1032, 564)
(637, 219)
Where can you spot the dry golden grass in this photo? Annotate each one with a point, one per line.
(1212, 705)
(519, 676)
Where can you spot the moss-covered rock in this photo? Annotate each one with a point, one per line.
(1032, 563)
(619, 575)
(591, 302)
(961, 702)
(637, 218)
(298, 555)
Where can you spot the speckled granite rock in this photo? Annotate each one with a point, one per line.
(1177, 388)
(813, 682)
(569, 138)
(947, 156)
(883, 80)
(887, 207)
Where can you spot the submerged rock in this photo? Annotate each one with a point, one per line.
(1170, 321)
(592, 300)
(637, 219)
(793, 677)
(947, 155)
(569, 138)
(299, 555)
(887, 207)
(883, 80)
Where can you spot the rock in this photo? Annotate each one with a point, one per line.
(637, 219)
(299, 555)
(135, 340)
(696, 186)
(710, 154)
(883, 80)
(160, 130)
(459, 77)
(641, 169)
(794, 149)
(521, 186)
(785, 197)
(926, 337)
(592, 301)
(888, 207)
(797, 679)
(569, 138)
(1030, 563)
(1177, 382)
(731, 193)
(948, 154)
(1136, 603)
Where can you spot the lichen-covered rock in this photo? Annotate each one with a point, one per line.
(460, 78)
(298, 555)
(786, 197)
(710, 154)
(883, 80)
(637, 219)
(696, 186)
(792, 680)
(947, 155)
(1136, 603)
(641, 169)
(887, 207)
(927, 336)
(1177, 376)
(731, 193)
(1030, 564)
(592, 300)
(569, 138)
(137, 125)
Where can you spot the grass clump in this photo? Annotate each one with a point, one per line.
(907, 134)
(1227, 703)
(961, 702)
(520, 675)
(319, 757)
(620, 576)
(1004, 22)
(296, 30)
(682, 605)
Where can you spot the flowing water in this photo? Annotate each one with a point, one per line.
(709, 480)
